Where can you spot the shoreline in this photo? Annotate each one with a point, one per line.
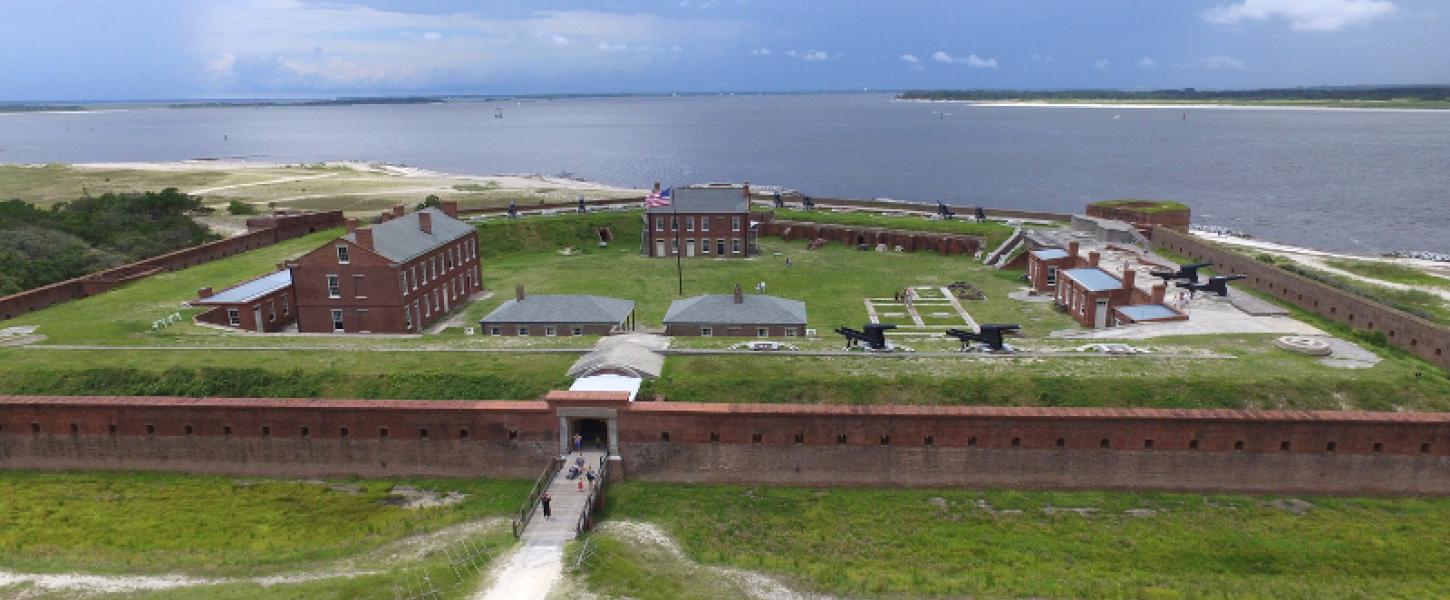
(1166, 105)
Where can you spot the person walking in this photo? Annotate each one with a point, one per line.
(578, 443)
(581, 484)
(589, 474)
(545, 500)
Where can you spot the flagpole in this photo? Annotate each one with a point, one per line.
(679, 262)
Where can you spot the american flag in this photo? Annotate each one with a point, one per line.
(658, 198)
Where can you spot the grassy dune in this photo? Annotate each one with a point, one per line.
(159, 523)
(990, 545)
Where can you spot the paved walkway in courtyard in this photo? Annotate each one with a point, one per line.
(538, 564)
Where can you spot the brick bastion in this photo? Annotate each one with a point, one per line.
(1026, 448)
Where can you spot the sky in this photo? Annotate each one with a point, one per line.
(58, 50)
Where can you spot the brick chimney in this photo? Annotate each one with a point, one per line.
(739, 297)
(1129, 277)
(746, 189)
(203, 292)
(397, 210)
(450, 208)
(519, 292)
(1093, 258)
(1072, 251)
(1159, 290)
(384, 217)
(364, 236)
(351, 225)
(425, 221)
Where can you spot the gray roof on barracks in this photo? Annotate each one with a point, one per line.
(754, 309)
(250, 290)
(401, 240)
(561, 309)
(1050, 253)
(1094, 279)
(706, 199)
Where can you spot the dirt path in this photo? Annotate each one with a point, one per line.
(409, 549)
(220, 188)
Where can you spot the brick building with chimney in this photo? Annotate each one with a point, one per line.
(709, 220)
(1093, 296)
(262, 305)
(397, 276)
(736, 315)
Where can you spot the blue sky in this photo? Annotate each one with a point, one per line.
(161, 49)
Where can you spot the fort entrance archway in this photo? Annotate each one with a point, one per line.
(594, 431)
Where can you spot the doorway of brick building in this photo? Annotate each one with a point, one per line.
(595, 433)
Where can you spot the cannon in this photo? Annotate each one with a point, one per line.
(1187, 273)
(944, 211)
(1217, 284)
(874, 335)
(990, 336)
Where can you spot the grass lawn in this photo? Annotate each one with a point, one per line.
(161, 523)
(957, 543)
(994, 232)
(1390, 272)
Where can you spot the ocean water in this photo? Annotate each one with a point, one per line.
(1359, 181)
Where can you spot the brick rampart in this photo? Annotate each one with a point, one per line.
(1031, 448)
(1403, 330)
(283, 228)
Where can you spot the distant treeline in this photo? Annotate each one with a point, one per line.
(327, 102)
(16, 108)
(40, 246)
(1423, 93)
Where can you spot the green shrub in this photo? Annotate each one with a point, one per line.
(237, 207)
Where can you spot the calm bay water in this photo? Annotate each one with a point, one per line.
(1362, 181)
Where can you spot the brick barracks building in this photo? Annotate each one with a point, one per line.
(708, 220)
(397, 276)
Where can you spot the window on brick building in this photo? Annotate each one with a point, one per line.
(1147, 444)
(334, 289)
(550, 331)
(495, 330)
(227, 430)
(734, 223)
(150, 429)
(689, 223)
(423, 433)
(885, 440)
(382, 432)
(707, 332)
(1378, 447)
(576, 330)
(337, 325)
(75, 429)
(305, 431)
(1424, 447)
(800, 438)
(704, 223)
(271, 310)
(714, 437)
(1061, 443)
(513, 434)
(841, 439)
(187, 429)
(266, 431)
(1016, 442)
(1192, 444)
(407, 318)
(756, 438)
(664, 436)
(674, 223)
(286, 306)
(343, 432)
(462, 434)
(674, 245)
(735, 246)
(342, 255)
(448, 260)
(1331, 447)
(659, 223)
(972, 442)
(1284, 446)
(705, 246)
(929, 441)
(234, 317)
(1104, 444)
(523, 330)
(1239, 445)
(413, 277)
(761, 332)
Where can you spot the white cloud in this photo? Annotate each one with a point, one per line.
(1101, 64)
(271, 44)
(1147, 63)
(971, 60)
(810, 55)
(1219, 62)
(911, 58)
(1303, 15)
(760, 52)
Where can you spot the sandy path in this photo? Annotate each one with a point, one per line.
(409, 549)
(211, 190)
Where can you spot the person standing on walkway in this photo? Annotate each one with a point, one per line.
(578, 443)
(545, 500)
(581, 484)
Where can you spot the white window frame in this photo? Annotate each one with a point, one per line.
(734, 223)
(334, 286)
(789, 332)
(342, 255)
(413, 278)
(762, 332)
(523, 330)
(659, 223)
(674, 245)
(1051, 275)
(338, 325)
(690, 223)
(707, 332)
(550, 331)
(735, 245)
(495, 330)
(704, 223)
(271, 311)
(286, 306)
(576, 330)
(674, 223)
(705, 246)
(403, 281)
(234, 317)
(407, 318)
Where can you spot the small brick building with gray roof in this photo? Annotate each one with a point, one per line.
(739, 314)
(709, 220)
(561, 315)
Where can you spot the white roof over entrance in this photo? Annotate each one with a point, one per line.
(607, 383)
